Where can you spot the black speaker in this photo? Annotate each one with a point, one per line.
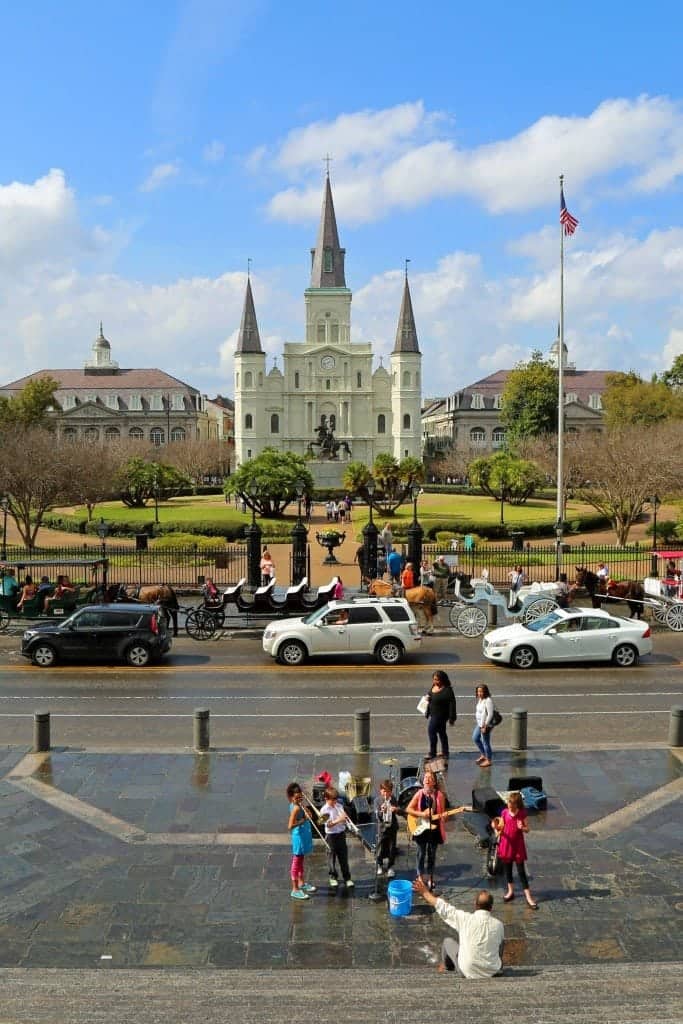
(522, 781)
(487, 801)
(361, 806)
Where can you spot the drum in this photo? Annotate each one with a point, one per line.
(409, 787)
(409, 772)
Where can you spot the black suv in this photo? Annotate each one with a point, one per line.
(134, 633)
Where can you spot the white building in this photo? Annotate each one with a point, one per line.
(328, 381)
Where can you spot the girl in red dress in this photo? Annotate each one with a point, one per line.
(511, 827)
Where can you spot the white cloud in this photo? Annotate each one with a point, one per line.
(390, 159)
(213, 152)
(160, 175)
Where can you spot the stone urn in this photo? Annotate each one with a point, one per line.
(330, 539)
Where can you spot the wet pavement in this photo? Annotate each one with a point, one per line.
(182, 860)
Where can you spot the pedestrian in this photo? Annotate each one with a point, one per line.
(28, 592)
(348, 504)
(603, 577)
(428, 802)
(483, 716)
(329, 510)
(338, 592)
(335, 834)
(478, 950)
(387, 538)
(394, 566)
(299, 825)
(408, 577)
(516, 577)
(441, 576)
(426, 574)
(308, 507)
(267, 567)
(387, 828)
(512, 826)
(341, 511)
(440, 713)
(563, 594)
(210, 591)
(10, 586)
(359, 557)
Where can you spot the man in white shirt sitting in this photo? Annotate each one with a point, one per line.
(478, 950)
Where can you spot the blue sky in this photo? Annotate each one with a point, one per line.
(149, 150)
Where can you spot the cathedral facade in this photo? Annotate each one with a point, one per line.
(328, 400)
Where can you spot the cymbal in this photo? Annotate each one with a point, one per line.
(390, 760)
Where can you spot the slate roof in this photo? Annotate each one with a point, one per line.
(582, 383)
(328, 238)
(249, 339)
(406, 332)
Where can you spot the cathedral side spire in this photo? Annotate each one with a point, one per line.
(327, 259)
(249, 340)
(406, 333)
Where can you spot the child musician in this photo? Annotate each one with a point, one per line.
(387, 828)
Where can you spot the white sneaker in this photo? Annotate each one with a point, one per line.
(380, 869)
(333, 883)
(391, 873)
(350, 883)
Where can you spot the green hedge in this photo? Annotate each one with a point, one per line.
(592, 521)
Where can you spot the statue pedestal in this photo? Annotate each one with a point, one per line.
(327, 474)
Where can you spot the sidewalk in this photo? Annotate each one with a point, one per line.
(181, 860)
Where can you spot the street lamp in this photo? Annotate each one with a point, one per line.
(370, 532)
(253, 535)
(655, 502)
(102, 531)
(5, 509)
(415, 533)
(156, 500)
(299, 538)
(559, 527)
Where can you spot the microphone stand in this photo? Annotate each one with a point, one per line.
(376, 896)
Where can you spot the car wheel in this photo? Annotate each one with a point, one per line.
(625, 655)
(524, 657)
(138, 655)
(292, 652)
(389, 652)
(44, 655)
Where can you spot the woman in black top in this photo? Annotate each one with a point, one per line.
(440, 713)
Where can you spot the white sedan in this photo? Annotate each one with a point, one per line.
(574, 634)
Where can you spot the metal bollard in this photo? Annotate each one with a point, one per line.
(518, 739)
(41, 731)
(361, 731)
(201, 729)
(676, 727)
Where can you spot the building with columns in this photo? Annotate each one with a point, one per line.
(328, 382)
(105, 403)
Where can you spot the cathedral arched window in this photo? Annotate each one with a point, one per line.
(296, 379)
(275, 424)
(406, 421)
(381, 424)
(334, 332)
(321, 332)
(328, 261)
(328, 384)
(359, 380)
(248, 379)
(248, 422)
(135, 434)
(237, 380)
(417, 379)
(260, 380)
(406, 378)
(156, 436)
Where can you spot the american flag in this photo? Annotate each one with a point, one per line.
(568, 222)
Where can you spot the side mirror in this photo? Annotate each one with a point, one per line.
(552, 632)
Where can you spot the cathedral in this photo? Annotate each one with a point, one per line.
(327, 401)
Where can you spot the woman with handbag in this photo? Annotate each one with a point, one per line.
(483, 716)
(441, 711)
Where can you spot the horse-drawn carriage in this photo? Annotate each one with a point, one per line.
(665, 596)
(469, 618)
(46, 602)
(203, 622)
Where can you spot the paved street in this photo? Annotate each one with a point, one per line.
(124, 849)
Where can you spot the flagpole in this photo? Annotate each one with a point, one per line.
(559, 524)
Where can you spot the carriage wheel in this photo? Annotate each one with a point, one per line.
(4, 620)
(471, 621)
(537, 609)
(453, 613)
(200, 625)
(674, 617)
(660, 612)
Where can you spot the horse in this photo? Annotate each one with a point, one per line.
(594, 584)
(421, 599)
(162, 594)
(632, 592)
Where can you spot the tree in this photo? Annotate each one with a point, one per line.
(273, 476)
(629, 400)
(30, 407)
(197, 459)
(505, 477)
(393, 480)
(138, 481)
(626, 466)
(673, 378)
(93, 478)
(529, 400)
(34, 475)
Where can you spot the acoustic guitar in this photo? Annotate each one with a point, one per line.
(416, 826)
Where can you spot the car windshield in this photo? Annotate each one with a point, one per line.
(314, 616)
(546, 620)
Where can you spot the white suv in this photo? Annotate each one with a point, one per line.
(383, 627)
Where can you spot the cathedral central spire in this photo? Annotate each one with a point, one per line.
(327, 259)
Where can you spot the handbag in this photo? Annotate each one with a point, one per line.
(497, 718)
(423, 704)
